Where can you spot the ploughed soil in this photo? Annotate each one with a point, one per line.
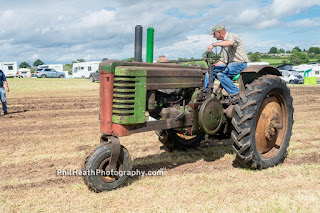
(46, 132)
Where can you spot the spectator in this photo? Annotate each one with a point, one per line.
(162, 58)
(3, 79)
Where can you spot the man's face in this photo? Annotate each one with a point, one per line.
(164, 59)
(218, 35)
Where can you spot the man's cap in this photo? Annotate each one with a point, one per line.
(217, 28)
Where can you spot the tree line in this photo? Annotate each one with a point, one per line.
(295, 56)
(312, 50)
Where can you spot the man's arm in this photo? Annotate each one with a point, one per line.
(7, 86)
(227, 43)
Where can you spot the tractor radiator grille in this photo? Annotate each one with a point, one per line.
(128, 100)
(124, 93)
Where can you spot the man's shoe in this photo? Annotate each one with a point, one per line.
(5, 113)
(234, 98)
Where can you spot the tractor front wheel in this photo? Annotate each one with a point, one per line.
(95, 175)
(263, 123)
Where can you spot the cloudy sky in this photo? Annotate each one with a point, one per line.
(62, 31)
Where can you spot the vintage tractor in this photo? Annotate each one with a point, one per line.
(171, 99)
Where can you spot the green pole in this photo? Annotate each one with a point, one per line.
(150, 38)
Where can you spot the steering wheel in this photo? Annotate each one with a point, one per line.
(216, 57)
(211, 61)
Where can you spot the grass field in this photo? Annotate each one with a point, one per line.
(277, 62)
(54, 123)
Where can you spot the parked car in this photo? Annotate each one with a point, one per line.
(300, 79)
(288, 77)
(48, 73)
(94, 76)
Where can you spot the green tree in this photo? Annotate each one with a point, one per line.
(284, 62)
(68, 67)
(312, 50)
(24, 65)
(297, 48)
(79, 60)
(255, 57)
(288, 51)
(210, 55)
(299, 58)
(273, 50)
(104, 59)
(315, 50)
(129, 59)
(37, 63)
(281, 50)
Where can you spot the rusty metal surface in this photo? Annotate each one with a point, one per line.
(124, 130)
(151, 97)
(211, 116)
(158, 83)
(230, 111)
(263, 69)
(170, 77)
(106, 101)
(271, 126)
(115, 152)
(251, 73)
(145, 64)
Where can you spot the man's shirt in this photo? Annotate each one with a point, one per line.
(2, 78)
(237, 52)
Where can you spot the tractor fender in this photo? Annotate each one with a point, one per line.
(263, 69)
(249, 74)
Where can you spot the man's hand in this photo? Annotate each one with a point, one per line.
(210, 48)
(7, 89)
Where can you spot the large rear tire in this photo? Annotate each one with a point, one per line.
(263, 123)
(177, 140)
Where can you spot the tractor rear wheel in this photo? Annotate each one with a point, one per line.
(182, 140)
(263, 123)
(99, 160)
(177, 140)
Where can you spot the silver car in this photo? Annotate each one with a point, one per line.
(48, 73)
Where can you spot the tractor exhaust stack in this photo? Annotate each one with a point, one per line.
(138, 44)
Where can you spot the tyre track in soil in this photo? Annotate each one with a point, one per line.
(46, 116)
(56, 110)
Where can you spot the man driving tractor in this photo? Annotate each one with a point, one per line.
(237, 59)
